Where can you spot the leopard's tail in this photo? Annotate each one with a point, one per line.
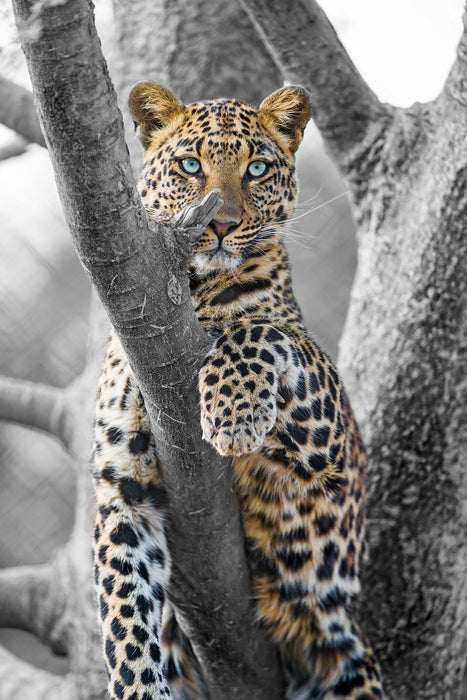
(180, 664)
(131, 553)
(132, 571)
(353, 677)
(146, 655)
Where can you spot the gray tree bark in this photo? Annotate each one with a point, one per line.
(404, 348)
(139, 271)
(402, 351)
(199, 49)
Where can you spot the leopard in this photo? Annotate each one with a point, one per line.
(270, 399)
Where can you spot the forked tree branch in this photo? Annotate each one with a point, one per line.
(455, 88)
(21, 681)
(35, 405)
(307, 51)
(139, 271)
(17, 111)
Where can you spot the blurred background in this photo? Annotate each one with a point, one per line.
(404, 51)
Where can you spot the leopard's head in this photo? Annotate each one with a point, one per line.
(246, 153)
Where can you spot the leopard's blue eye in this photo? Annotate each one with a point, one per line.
(257, 168)
(190, 165)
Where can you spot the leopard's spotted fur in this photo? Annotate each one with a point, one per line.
(270, 398)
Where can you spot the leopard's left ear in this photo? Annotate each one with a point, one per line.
(152, 108)
(288, 111)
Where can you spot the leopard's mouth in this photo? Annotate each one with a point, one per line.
(218, 259)
(219, 256)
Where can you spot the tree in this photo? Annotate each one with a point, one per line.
(193, 502)
(405, 338)
(55, 601)
(404, 344)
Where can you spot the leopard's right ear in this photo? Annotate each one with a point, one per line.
(152, 108)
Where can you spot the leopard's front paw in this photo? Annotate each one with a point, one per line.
(236, 420)
(237, 433)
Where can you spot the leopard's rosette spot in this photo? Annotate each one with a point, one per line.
(235, 419)
(270, 398)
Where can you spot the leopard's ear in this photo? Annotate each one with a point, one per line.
(152, 107)
(287, 110)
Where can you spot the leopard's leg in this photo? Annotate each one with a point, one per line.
(131, 556)
(361, 680)
(327, 643)
(238, 385)
(270, 398)
(303, 597)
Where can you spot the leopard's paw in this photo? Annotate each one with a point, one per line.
(239, 426)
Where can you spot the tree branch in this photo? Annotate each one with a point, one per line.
(307, 51)
(402, 357)
(21, 681)
(15, 147)
(140, 275)
(35, 405)
(17, 111)
(30, 600)
(455, 88)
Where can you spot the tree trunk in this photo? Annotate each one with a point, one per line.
(404, 348)
(401, 354)
(139, 269)
(200, 49)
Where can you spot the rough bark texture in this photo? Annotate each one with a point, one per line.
(139, 271)
(307, 51)
(402, 354)
(200, 50)
(404, 348)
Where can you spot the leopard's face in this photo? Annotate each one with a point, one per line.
(245, 153)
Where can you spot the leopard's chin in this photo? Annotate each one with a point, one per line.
(216, 260)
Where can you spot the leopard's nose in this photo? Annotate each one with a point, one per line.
(223, 228)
